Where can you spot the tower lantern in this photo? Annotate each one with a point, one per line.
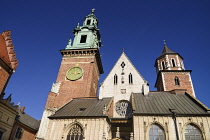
(87, 35)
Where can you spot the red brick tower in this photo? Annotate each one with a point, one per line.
(79, 70)
(171, 74)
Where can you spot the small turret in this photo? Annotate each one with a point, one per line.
(169, 60)
(91, 20)
(171, 74)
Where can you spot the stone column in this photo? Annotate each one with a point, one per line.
(118, 133)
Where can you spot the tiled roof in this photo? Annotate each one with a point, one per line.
(159, 103)
(166, 50)
(155, 103)
(83, 107)
(28, 120)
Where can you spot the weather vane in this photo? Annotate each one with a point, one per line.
(93, 10)
(123, 49)
(164, 41)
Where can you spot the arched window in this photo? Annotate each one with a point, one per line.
(176, 80)
(173, 63)
(156, 133)
(163, 65)
(192, 133)
(75, 133)
(115, 79)
(130, 77)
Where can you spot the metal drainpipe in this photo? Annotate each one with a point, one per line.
(175, 122)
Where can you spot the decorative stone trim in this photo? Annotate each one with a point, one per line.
(10, 49)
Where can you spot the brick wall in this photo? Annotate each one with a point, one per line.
(28, 134)
(184, 78)
(86, 86)
(4, 75)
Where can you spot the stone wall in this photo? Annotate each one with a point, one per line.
(93, 128)
(142, 125)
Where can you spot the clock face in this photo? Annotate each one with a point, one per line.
(123, 108)
(74, 73)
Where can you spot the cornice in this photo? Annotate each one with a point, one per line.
(84, 52)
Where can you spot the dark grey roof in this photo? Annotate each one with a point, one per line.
(82, 107)
(161, 102)
(166, 50)
(28, 120)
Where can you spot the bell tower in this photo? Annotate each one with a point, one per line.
(171, 74)
(80, 67)
(79, 70)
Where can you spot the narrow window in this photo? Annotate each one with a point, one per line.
(75, 133)
(19, 133)
(1, 135)
(88, 22)
(173, 63)
(115, 79)
(176, 80)
(163, 65)
(130, 77)
(192, 133)
(156, 133)
(83, 39)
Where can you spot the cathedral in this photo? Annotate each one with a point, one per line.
(124, 108)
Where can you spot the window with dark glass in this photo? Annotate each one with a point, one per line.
(19, 133)
(83, 39)
(115, 79)
(163, 65)
(130, 77)
(176, 80)
(1, 134)
(75, 133)
(173, 63)
(156, 133)
(88, 22)
(192, 133)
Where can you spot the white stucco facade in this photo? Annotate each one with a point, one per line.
(122, 87)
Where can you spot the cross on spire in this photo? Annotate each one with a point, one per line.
(164, 42)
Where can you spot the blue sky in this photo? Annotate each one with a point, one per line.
(41, 28)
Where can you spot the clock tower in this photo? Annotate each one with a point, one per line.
(79, 70)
